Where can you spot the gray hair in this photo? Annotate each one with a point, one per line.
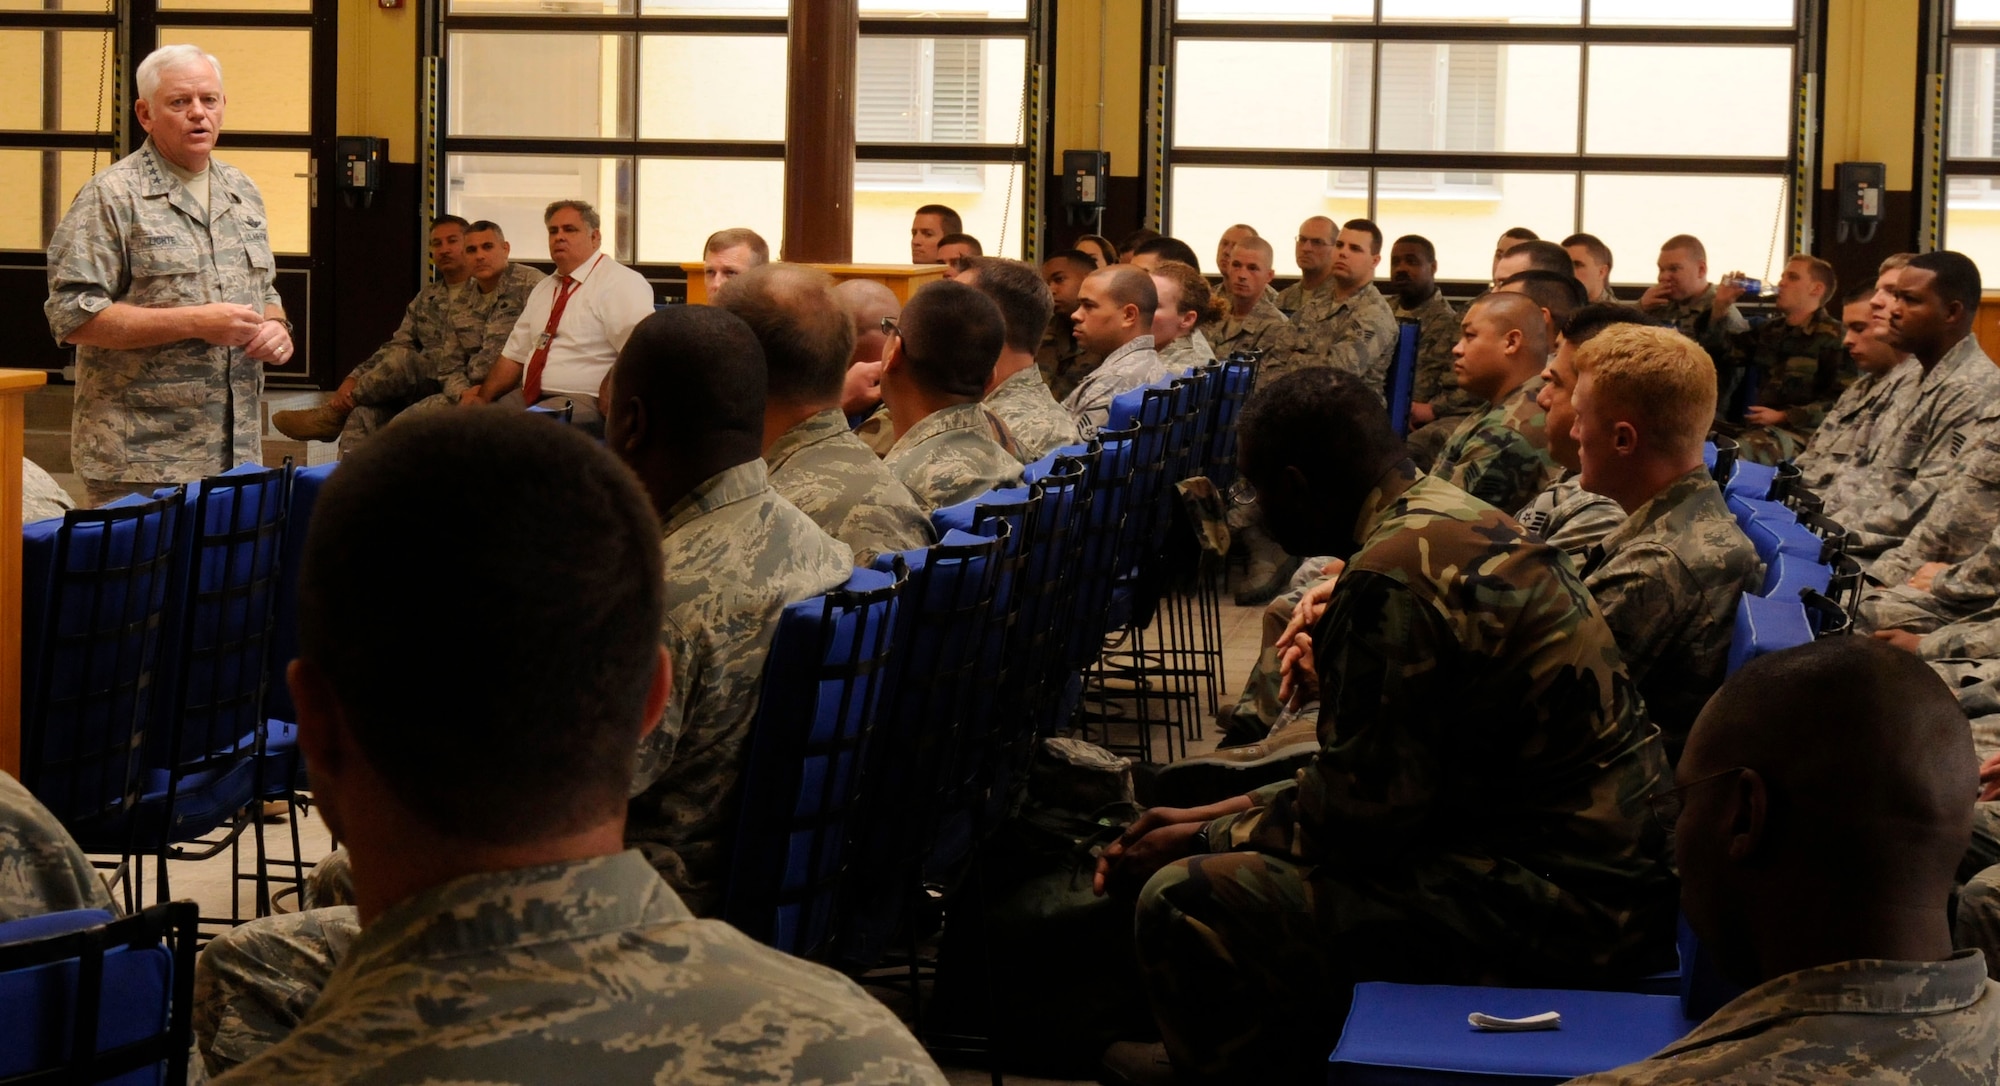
(166, 58)
(581, 207)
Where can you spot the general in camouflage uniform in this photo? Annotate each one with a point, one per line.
(41, 868)
(829, 475)
(951, 455)
(1039, 424)
(1134, 365)
(446, 345)
(1501, 455)
(1356, 334)
(1436, 382)
(1915, 446)
(1695, 318)
(1844, 443)
(1453, 655)
(1934, 1023)
(1063, 361)
(1668, 580)
(1804, 369)
(1262, 329)
(184, 410)
(736, 553)
(583, 971)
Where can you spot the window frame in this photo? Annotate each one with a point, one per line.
(1952, 169)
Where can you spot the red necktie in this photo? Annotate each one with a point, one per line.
(531, 386)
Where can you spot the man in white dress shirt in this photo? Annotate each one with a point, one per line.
(574, 324)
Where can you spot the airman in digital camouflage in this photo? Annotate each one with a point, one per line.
(254, 983)
(688, 415)
(1389, 858)
(579, 964)
(1016, 394)
(1249, 321)
(1921, 437)
(161, 275)
(1436, 401)
(1351, 329)
(1845, 441)
(1684, 298)
(1669, 577)
(1184, 300)
(1843, 748)
(815, 462)
(41, 868)
(948, 447)
(1114, 317)
(1312, 251)
(1797, 358)
(1501, 455)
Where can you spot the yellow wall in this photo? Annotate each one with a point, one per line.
(1871, 86)
(1084, 32)
(378, 74)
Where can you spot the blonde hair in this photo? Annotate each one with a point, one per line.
(1660, 381)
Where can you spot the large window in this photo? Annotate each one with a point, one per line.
(1460, 119)
(1971, 213)
(671, 119)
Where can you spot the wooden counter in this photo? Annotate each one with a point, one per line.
(903, 279)
(14, 387)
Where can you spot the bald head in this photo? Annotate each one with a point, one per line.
(866, 302)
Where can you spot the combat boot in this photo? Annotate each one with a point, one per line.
(1234, 771)
(1270, 568)
(320, 423)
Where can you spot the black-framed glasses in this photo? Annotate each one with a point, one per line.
(1667, 806)
(1242, 493)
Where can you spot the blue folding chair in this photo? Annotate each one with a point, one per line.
(815, 715)
(1403, 376)
(1237, 379)
(1752, 480)
(1774, 537)
(88, 999)
(1790, 574)
(1720, 456)
(1764, 625)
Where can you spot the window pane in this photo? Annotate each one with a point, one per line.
(78, 73)
(266, 74)
(541, 7)
(236, 5)
(1710, 101)
(102, 6)
(939, 90)
(683, 200)
(1735, 217)
(1478, 96)
(37, 187)
(1325, 87)
(679, 75)
(489, 97)
(1692, 13)
(1518, 12)
(1974, 120)
(512, 190)
(1972, 219)
(987, 197)
(1976, 13)
(1207, 200)
(870, 9)
(280, 177)
(1464, 213)
(1293, 11)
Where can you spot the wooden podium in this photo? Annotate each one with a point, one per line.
(14, 386)
(902, 279)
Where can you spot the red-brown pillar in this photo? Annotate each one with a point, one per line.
(825, 37)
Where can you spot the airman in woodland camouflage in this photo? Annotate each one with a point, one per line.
(1844, 442)
(1389, 857)
(688, 416)
(1670, 576)
(41, 868)
(1843, 748)
(1353, 329)
(1501, 455)
(1016, 394)
(1936, 414)
(1684, 298)
(161, 275)
(1800, 364)
(1436, 401)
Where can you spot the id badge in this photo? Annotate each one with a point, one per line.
(542, 341)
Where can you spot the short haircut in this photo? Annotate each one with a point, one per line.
(1894, 262)
(806, 335)
(1325, 422)
(1076, 258)
(581, 207)
(1519, 312)
(1256, 245)
(542, 745)
(1423, 245)
(451, 220)
(1819, 271)
(1167, 248)
(1957, 277)
(1196, 297)
(1110, 251)
(1544, 255)
(1017, 290)
(1860, 292)
(483, 225)
(1137, 238)
(1598, 251)
(952, 336)
(1521, 233)
(738, 235)
(1584, 324)
(1658, 379)
(1242, 226)
(1687, 243)
(966, 240)
(701, 374)
(947, 217)
(1127, 285)
(1368, 227)
(165, 59)
(1557, 292)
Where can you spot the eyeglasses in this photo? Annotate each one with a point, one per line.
(1667, 806)
(890, 327)
(1317, 243)
(1242, 493)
